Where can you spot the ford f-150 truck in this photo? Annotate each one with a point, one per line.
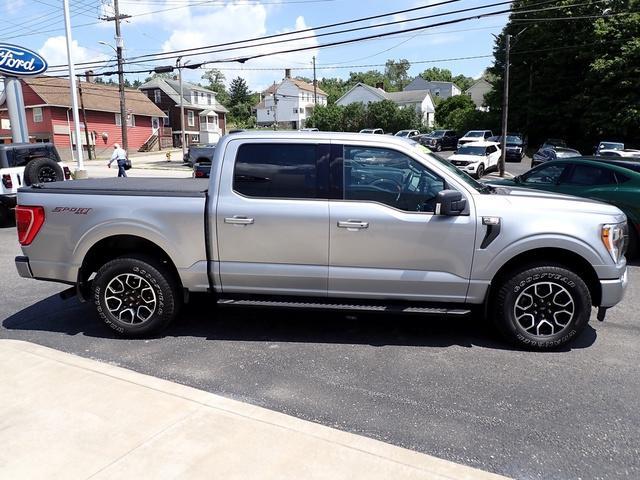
(327, 220)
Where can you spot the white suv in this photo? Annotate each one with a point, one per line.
(476, 158)
(475, 136)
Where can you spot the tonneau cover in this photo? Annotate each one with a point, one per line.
(145, 187)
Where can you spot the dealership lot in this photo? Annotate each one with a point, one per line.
(446, 388)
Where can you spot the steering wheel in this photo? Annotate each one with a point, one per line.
(384, 183)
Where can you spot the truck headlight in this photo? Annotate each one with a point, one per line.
(614, 238)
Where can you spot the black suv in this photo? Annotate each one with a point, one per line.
(439, 140)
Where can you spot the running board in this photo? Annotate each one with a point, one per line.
(391, 308)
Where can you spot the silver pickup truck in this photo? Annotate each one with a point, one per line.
(327, 220)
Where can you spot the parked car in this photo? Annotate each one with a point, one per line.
(439, 140)
(202, 169)
(589, 178)
(26, 164)
(476, 158)
(546, 154)
(553, 143)
(407, 133)
(405, 232)
(626, 153)
(376, 131)
(198, 153)
(515, 146)
(608, 146)
(474, 136)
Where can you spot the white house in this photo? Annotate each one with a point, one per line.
(420, 100)
(443, 90)
(477, 91)
(288, 103)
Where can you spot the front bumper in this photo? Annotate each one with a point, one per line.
(613, 290)
(23, 267)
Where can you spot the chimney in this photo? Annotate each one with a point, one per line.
(287, 73)
(89, 76)
(380, 85)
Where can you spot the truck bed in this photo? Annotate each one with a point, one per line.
(146, 187)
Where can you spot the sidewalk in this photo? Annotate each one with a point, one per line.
(69, 417)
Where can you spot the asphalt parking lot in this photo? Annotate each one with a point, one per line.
(447, 388)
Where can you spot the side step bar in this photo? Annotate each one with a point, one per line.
(364, 307)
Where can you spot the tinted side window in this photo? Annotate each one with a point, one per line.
(389, 177)
(587, 175)
(271, 170)
(548, 175)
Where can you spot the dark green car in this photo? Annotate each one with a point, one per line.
(604, 180)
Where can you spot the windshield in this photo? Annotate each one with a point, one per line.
(611, 146)
(555, 142)
(437, 133)
(475, 133)
(514, 140)
(426, 153)
(403, 133)
(467, 150)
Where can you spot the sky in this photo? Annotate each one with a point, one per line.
(166, 25)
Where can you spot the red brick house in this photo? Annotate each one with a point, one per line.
(204, 117)
(50, 119)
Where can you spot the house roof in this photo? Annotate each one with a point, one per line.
(95, 96)
(408, 96)
(172, 89)
(378, 92)
(478, 82)
(301, 84)
(420, 83)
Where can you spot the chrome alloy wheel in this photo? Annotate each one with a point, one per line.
(544, 309)
(130, 298)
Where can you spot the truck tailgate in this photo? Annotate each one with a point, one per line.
(81, 215)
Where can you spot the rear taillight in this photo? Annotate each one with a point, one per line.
(199, 174)
(6, 181)
(29, 220)
(67, 173)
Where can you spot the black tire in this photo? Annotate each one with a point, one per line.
(149, 286)
(42, 170)
(530, 295)
(439, 147)
(480, 171)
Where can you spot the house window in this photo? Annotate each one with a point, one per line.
(295, 110)
(191, 118)
(209, 98)
(165, 120)
(37, 114)
(131, 121)
(157, 96)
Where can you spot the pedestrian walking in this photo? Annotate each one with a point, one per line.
(119, 155)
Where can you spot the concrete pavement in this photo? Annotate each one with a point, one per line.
(69, 417)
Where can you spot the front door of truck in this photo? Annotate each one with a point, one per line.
(272, 218)
(385, 239)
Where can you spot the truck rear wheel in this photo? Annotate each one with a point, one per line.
(542, 307)
(42, 170)
(135, 296)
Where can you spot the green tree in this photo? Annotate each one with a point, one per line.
(215, 82)
(445, 108)
(370, 77)
(396, 72)
(238, 92)
(327, 118)
(334, 87)
(435, 74)
(354, 117)
(463, 82)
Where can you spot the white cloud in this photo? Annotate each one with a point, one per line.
(239, 22)
(54, 51)
(14, 6)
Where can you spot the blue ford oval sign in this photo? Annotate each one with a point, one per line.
(20, 62)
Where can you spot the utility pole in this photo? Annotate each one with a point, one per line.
(275, 107)
(315, 83)
(80, 171)
(505, 107)
(84, 119)
(119, 46)
(182, 137)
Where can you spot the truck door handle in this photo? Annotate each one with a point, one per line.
(238, 220)
(355, 224)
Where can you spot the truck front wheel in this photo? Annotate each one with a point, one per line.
(542, 307)
(135, 296)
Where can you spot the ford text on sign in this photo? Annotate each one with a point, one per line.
(18, 61)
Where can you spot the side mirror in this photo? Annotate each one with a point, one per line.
(450, 203)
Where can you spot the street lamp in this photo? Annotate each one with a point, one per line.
(123, 109)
